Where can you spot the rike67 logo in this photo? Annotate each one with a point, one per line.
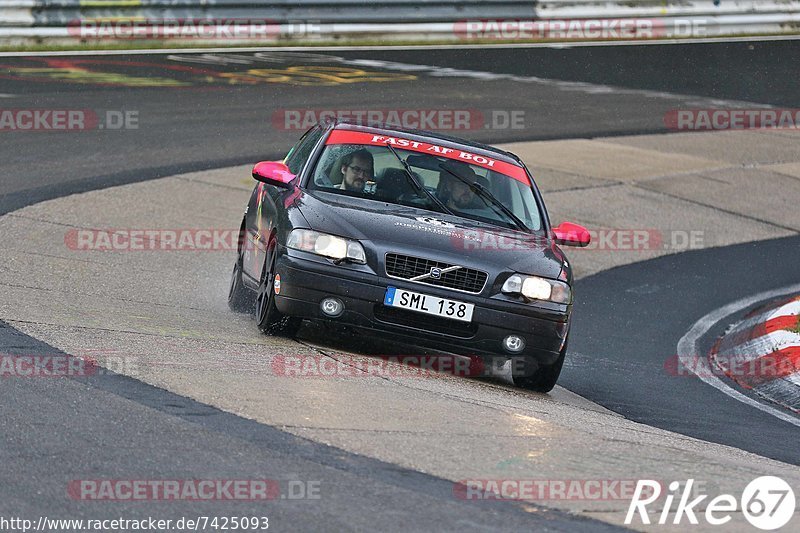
(767, 502)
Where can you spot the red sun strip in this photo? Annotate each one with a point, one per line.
(371, 139)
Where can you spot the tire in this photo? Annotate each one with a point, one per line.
(240, 298)
(269, 319)
(537, 377)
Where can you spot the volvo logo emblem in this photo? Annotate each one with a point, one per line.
(435, 273)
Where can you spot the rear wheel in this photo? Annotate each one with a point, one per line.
(269, 319)
(536, 376)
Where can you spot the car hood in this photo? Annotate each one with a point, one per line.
(431, 235)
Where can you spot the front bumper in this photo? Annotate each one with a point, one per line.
(305, 283)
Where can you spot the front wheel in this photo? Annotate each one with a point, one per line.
(538, 377)
(269, 319)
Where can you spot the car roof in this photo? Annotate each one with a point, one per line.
(429, 137)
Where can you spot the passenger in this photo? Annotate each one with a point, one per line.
(357, 169)
(457, 193)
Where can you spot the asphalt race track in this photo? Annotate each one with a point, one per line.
(637, 361)
(128, 430)
(202, 112)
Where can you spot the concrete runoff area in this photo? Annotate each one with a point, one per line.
(162, 317)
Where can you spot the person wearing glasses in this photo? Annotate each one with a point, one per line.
(357, 169)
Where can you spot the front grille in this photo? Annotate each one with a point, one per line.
(462, 279)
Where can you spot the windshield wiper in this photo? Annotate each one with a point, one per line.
(415, 182)
(488, 198)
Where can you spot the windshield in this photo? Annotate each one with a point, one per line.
(375, 173)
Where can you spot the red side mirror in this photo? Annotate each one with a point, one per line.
(273, 173)
(570, 234)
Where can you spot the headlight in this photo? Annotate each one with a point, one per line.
(326, 245)
(536, 288)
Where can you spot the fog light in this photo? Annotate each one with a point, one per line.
(332, 307)
(514, 343)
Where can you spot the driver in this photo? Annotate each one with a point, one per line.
(357, 168)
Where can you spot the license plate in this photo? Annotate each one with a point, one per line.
(431, 305)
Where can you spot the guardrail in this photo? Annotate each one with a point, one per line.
(457, 20)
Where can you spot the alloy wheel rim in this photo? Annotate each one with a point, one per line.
(264, 295)
(234, 279)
